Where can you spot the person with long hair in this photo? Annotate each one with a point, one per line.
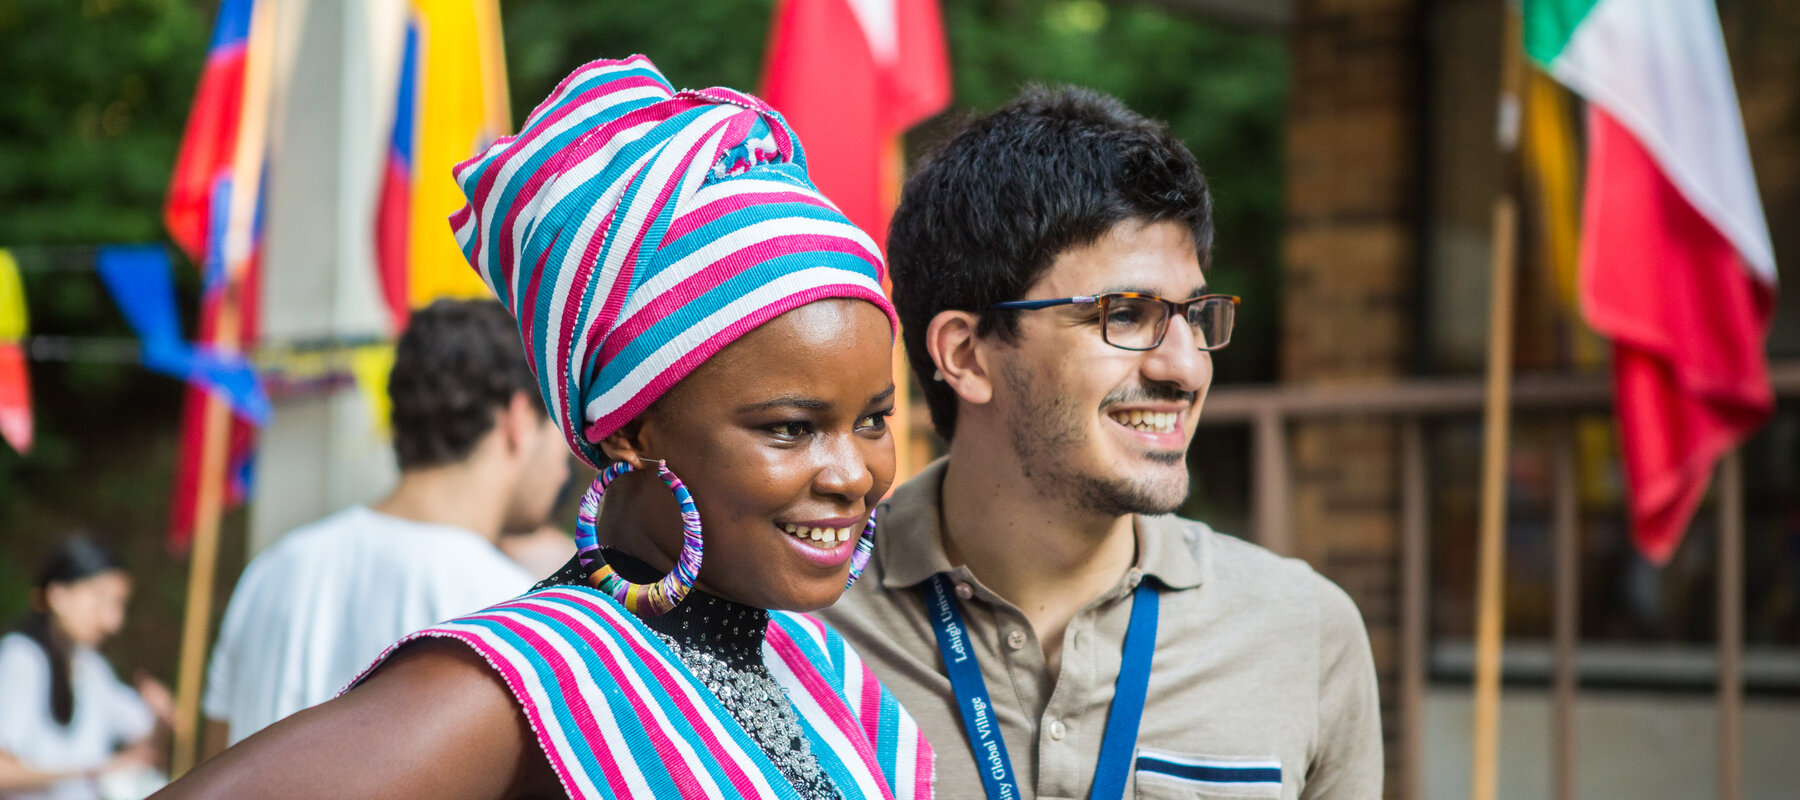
(65, 718)
(711, 334)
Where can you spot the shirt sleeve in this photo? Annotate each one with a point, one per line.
(24, 694)
(126, 713)
(1348, 763)
(215, 702)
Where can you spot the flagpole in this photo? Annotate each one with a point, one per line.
(239, 245)
(1490, 597)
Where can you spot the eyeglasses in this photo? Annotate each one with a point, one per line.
(1137, 321)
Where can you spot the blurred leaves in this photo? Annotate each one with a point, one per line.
(96, 95)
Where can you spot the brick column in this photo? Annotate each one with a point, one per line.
(1351, 259)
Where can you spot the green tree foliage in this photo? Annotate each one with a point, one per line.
(96, 95)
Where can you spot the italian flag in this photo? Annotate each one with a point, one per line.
(1676, 265)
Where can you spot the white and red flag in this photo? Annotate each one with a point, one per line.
(1676, 264)
(850, 76)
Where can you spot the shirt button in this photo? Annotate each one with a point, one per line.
(1134, 577)
(1015, 640)
(1058, 730)
(964, 591)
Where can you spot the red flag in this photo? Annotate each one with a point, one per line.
(196, 213)
(15, 398)
(1688, 319)
(210, 140)
(241, 450)
(850, 77)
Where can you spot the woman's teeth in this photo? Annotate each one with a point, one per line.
(821, 534)
(1152, 421)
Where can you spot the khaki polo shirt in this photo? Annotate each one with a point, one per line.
(1259, 660)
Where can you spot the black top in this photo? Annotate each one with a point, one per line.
(721, 643)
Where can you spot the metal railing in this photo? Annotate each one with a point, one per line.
(1269, 411)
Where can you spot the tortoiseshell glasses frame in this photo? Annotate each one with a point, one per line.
(1138, 321)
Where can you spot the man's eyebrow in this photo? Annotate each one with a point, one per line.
(799, 401)
(1198, 290)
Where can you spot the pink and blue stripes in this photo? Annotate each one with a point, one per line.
(618, 716)
(635, 231)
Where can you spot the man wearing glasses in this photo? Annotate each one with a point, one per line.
(1031, 599)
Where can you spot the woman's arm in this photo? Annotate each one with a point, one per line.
(435, 721)
(14, 775)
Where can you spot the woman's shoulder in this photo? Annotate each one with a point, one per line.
(21, 654)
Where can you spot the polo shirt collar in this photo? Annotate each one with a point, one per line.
(909, 538)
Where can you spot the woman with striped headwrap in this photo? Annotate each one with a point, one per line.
(711, 333)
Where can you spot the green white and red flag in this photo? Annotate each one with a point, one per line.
(1676, 265)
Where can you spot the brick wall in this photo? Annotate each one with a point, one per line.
(1351, 262)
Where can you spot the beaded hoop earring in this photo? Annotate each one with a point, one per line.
(642, 599)
(864, 546)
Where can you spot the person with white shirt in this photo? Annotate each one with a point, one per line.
(478, 455)
(65, 718)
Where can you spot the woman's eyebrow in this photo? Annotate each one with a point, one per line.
(883, 396)
(799, 401)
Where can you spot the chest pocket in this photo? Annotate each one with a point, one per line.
(1173, 776)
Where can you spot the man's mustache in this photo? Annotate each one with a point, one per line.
(1150, 393)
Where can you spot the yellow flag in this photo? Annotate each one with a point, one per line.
(462, 106)
(12, 299)
(370, 366)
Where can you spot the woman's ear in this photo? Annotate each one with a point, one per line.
(628, 444)
(961, 361)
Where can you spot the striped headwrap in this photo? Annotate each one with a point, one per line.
(634, 231)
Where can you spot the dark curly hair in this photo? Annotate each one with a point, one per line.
(458, 362)
(985, 215)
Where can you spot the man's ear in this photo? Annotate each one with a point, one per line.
(960, 356)
(518, 423)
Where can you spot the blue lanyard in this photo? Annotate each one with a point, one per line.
(1117, 744)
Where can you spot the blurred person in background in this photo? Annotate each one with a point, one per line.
(478, 456)
(65, 718)
(540, 551)
(545, 549)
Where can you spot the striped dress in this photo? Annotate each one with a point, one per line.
(619, 716)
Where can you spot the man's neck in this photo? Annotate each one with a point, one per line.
(458, 495)
(1047, 559)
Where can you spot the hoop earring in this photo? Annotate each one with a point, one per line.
(642, 599)
(865, 545)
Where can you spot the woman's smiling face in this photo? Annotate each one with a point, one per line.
(782, 438)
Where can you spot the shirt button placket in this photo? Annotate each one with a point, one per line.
(1015, 640)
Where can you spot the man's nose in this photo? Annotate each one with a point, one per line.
(1179, 360)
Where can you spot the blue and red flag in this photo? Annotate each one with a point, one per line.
(394, 214)
(450, 103)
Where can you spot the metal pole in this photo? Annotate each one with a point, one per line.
(1567, 624)
(1731, 625)
(1414, 554)
(1271, 503)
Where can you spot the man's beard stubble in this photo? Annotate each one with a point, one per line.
(1045, 427)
